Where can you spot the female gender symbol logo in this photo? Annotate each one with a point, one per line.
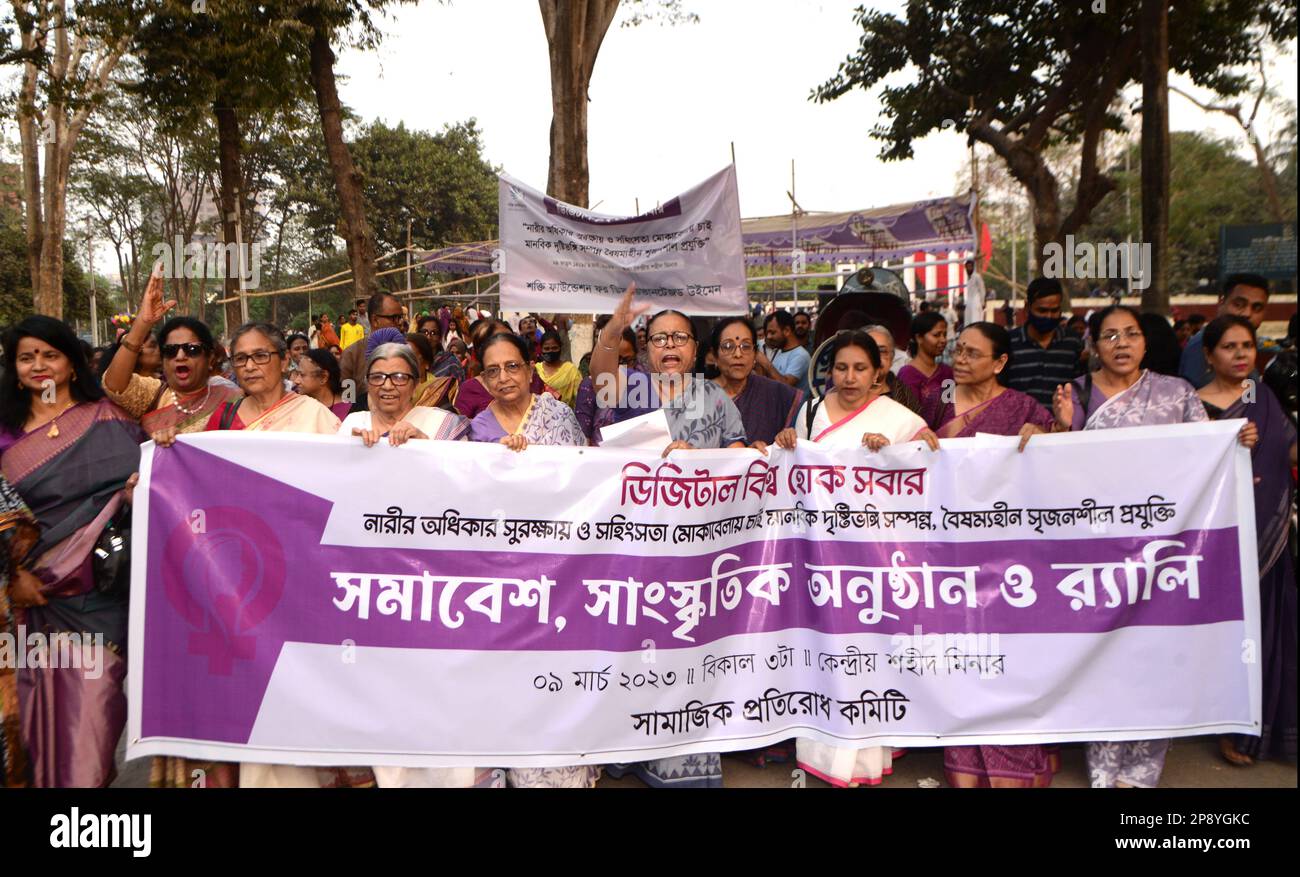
(224, 582)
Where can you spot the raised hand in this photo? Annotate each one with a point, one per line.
(152, 307)
(627, 311)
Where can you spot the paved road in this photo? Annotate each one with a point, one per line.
(1193, 762)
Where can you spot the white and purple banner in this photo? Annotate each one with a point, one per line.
(686, 254)
(303, 599)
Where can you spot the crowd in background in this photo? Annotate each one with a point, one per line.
(72, 419)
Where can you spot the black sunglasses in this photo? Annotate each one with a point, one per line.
(169, 351)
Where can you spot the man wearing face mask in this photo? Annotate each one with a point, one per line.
(1043, 354)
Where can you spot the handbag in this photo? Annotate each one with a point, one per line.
(111, 556)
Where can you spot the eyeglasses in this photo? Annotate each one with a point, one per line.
(733, 346)
(258, 357)
(491, 373)
(660, 339)
(1113, 336)
(169, 351)
(392, 318)
(399, 379)
(961, 351)
(430, 333)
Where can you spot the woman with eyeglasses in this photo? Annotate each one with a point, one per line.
(186, 396)
(473, 396)
(698, 411)
(319, 377)
(259, 356)
(562, 378)
(1230, 349)
(699, 415)
(1123, 394)
(980, 402)
(71, 456)
(766, 406)
(391, 375)
(517, 416)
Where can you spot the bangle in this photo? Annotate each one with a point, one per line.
(127, 343)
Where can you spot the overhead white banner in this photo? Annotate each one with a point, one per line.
(685, 254)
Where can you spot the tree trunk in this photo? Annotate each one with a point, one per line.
(574, 32)
(1155, 152)
(29, 134)
(347, 179)
(49, 295)
(229, 158)
(1267, 177)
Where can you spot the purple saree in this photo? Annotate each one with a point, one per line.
(1029, 766)
(71, 477)
(1270, 460)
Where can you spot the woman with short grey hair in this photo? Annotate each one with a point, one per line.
(392, 372)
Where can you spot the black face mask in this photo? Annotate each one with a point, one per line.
(551, 358)
(711, 371)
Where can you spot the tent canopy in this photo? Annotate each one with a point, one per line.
(938, 225)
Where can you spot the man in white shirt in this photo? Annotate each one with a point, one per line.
(975, 294)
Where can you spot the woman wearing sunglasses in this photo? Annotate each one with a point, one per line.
(185, 398)
(391, 374)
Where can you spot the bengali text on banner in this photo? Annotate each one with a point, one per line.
(686, 254)
(303, 599)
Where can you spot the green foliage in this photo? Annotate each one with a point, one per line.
(1030, 66)
(16, 281)
(1209, 185)
(441, 183)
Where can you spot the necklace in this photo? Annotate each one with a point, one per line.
(54, 425)
(197, 408)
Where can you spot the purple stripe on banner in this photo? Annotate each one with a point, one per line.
(229, 584)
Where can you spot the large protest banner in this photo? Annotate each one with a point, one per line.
(451, 604)
(685, 254)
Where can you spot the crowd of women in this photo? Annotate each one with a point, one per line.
(69, 453)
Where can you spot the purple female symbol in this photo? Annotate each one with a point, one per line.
(224, 582)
